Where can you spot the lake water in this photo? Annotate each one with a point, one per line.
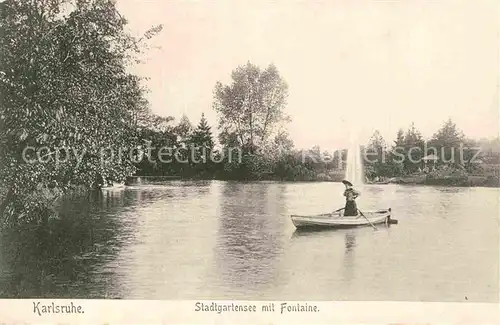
(233, 240)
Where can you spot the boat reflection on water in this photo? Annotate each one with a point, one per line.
(336, 245)
(349, 260)
(350, 241)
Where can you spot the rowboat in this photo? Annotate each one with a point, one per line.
(113, 186)
(338, 220)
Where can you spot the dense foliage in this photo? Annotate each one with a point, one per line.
(448, 149)
(66, 94)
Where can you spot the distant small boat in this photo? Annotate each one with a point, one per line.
(338, 220)
(383, 182)
(113, 186)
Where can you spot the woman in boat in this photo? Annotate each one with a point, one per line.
(350, 194)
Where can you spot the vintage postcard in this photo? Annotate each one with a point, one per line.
(249, 162)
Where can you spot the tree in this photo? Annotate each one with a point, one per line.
(275, 152)
(397, 154)
(446, 143)
(377, 143)
(250, 110)
(413, 137)
(156, 134)
(376, 163)
(156, 123)
(252, 106)
(448, 134)
(202, 135)
(64, 84)
(414, 149)
(400, 138)
(202, 145)
(184, 129)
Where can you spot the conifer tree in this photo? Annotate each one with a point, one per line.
(202, 135)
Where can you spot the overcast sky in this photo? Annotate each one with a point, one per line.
(372, 64)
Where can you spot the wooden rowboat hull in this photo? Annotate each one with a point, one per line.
(337, 220)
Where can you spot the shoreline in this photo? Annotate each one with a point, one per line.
(446, 182)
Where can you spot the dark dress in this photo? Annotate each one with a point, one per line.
(351, 208)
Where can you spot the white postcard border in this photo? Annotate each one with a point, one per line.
(23, 311)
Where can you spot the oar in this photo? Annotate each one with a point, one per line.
(331, 214)
(371, 224)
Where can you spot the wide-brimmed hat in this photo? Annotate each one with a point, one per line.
(347, 182)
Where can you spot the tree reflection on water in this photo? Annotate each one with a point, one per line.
(249, 235)
(68, 257)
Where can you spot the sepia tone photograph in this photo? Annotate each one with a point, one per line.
(249, 150)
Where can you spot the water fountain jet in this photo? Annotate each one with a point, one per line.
(354, 164)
